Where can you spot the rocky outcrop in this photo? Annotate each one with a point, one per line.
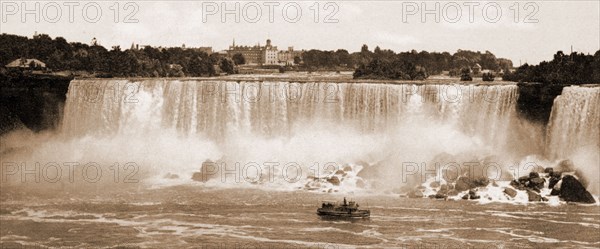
(536, 100)
(464, 183)
(415, 194)
(533, 182)
(32, 101)
(563, 181)
(334, 180)
(554, 179)
(571, 190)
(533, 196)
(472, 195)
(208, 170)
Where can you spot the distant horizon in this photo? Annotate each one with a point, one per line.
(534, 34)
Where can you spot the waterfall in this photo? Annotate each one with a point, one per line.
(573, 132)
(173, 125)
(574, 122)
(216, 108)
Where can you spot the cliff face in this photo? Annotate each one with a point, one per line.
(536, 100)
(32, 101)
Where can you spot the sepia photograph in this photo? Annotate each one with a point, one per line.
(299, 124)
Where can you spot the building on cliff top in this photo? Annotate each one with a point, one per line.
(26, 64)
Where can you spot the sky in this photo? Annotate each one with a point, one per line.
(523, 31)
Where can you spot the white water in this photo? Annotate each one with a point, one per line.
(172, 126)
(574, 131)
(189, 121)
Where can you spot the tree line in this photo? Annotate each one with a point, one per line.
(59, 55)
(385, 63)
(574, 68)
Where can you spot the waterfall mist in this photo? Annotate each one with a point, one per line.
(170, 126)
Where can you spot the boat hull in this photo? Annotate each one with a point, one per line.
(343, 214)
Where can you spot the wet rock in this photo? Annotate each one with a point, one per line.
(209, 170)
(510, 192)
(557, 174)
(556, 188)
(533, 196)
(534, 175)
(452, 192)
(446, 187)
(334, 180)
(536, 183)
(347, 168)
(441, 196)
(197, 176)
(517, 185)
(582, 178)
(523, 180)
(481, 181)
(553, 180)
(571, 190)
(435, 184)
(549, 170)
(443, 191)
(472, 195)
(464, 183)
(340, 172)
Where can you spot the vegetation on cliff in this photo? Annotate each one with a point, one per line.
(413, 65)
(60, 55)
(573, 69)
(465, 74)
(488, 76)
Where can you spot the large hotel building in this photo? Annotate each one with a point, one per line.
(264, 55)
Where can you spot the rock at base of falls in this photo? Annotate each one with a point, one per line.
(533, 196)
(533, 187)
(209, 170)
(510, 192)
(415, 194)
(571, 190)
(465, 183)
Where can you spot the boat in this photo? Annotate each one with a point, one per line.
(345, 210)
